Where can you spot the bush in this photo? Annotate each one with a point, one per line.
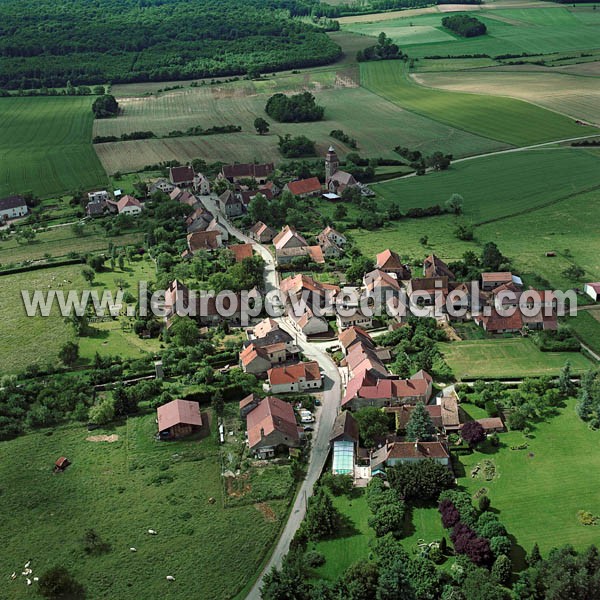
(314, 559)
(297, 108)
(58, 583)
(338, 485)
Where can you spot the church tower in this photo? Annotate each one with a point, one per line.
(331, 165)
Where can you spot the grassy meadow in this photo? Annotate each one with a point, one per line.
(586, 326)
(121, 490)
(46, 146)
(507, 358)
(39, 339)
(505, 119)
(538, 491)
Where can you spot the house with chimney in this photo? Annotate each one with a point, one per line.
(272, 428)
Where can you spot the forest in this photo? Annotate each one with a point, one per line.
(46, 43)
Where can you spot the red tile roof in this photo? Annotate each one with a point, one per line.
(128, 200)
(178, 411)
(292, 373)
(272, 414)
(241, 251)
(203, 240)
(388, 259)
(418, 450)
(504, 276)
(435, 267)
(181, 175)
(247, 170)
(304, 186)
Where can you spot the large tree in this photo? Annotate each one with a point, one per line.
(424, 480)
(473, 433)
(420, 427)
(372, 424)
(105, 106)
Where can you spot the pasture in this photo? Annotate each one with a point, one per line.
(567, 227)
(538, 491)
(505, 119)
(509, 31)
(575, 96)
(586, 326)
(507, 358)
(120, 490)
(46, 146)
(239, 103)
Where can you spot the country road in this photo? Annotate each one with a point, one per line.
(325, 416)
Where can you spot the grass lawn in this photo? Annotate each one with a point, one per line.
(504, 119)
(507, 357)
(46, 146)
(587, 327)
(353, 543)
(121, 490)
(538, 491)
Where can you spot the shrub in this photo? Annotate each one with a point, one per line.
(450, 514)
(472, 432)
(314, 559)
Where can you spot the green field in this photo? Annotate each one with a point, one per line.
(509, 31)
(506, 119)
(39, 339)
(587, 328)
(58, 242)
(507, 358)
(572, 95)
(121, 490)
(46, 147)
(239, 103)
(538, 491)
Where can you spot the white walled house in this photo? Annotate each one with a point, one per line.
(12, 207)
(593, 291)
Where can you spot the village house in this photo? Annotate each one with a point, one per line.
(303, 376)
(395, 453)
(363, 358)
(435, 267)
(304, 188)
(263, 328)
(389, 262)
(258, 359)
(336, 181)
(380, 285)
(230, 204)
(352, 336)
(272, 427)
(201, 184)
(272, 336)
(331, 242)
(308, 324)
(289, 244)
(128, 205)
(241, 251)
(99, 196)
(183, 197)
(204, 240)
(219, 227)
(212, 313)
(237, 172)
(403, 413)
(161, 185)
(199, 220)
(182, 177)
(12, 207)
(498, 323)
(262, 233)
(369, 390)
(428, 291)
(353, 316)
(450, 413)
(492, 424)
(178, 419)
(489, 281)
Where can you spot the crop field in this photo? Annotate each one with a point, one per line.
(507, 358)
(587, 327)
(45, 146)
(538, 491)
(239, 103)
(577, 97)
(509, 31)
(506, 119)
(120, 490)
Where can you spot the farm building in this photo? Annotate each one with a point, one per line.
(304, 187)
(61, 464)
(12, 207)
(182, 176)
(178, 419)
(262, 233)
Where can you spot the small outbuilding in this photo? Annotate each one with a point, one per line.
(61, 464)
(178, 419)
